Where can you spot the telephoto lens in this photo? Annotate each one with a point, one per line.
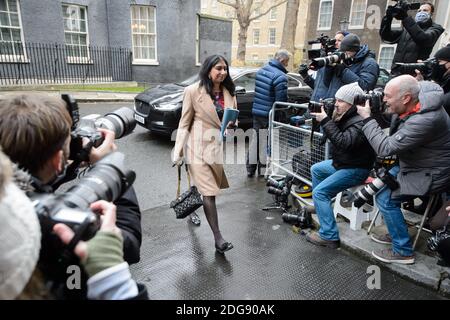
(366, 193)
(275, 184)
(121, 121)
(275, 191)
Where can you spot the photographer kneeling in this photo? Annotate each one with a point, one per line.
(352, 161)
(35, 132)
(420, 137)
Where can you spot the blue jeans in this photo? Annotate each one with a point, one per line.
(327, 183)
(390, 207)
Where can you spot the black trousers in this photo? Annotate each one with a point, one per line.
(257, 143)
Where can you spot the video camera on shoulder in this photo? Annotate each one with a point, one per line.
(121, 121)
(375, 98)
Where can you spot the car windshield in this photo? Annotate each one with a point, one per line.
(188, 81)
(194, 78)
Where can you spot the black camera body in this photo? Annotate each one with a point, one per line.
(333, 58)
(106, 180)
(375, 99)
(327, 46)
(426, 68)
(120, 121)
(327, 104)
(406, 4)
(301, 218)
(281, 189)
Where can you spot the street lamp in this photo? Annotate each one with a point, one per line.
(344, 23)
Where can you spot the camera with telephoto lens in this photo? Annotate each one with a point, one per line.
(327, 46)
(301, 218)
(333, 58)
(365, 194)
(426, 68)
(406, 4)
(327, 104)
(106, 180)
(120, 121)
(281, 189)
(375, 99)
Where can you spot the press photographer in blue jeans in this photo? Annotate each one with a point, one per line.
(353, 158)
(420, 137)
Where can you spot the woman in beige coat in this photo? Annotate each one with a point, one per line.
(198, 136)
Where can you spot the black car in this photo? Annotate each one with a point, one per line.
(159, 109)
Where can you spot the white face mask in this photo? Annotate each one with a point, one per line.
(422, 16)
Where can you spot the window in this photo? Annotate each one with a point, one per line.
(246, 81)
(386, 56)
(76, 33)
(257, 9)
(11, 37)
(395, 23)
(273, 14)
(272, 35)
(358, 14)
(143, 28)
(325, 15)
(204, 4)
(255, 36)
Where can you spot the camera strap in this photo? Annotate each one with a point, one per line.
(69, 251)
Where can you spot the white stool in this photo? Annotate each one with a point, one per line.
(356, 215)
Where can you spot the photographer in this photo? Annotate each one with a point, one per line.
(358, 66)
(416, 39)
(352, 160)
(35, 134)
(420, 137)
(320, 91)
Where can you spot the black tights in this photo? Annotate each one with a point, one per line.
(209, 206)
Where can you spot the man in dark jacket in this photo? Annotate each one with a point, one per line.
(352, 161)
(270, 86)
(420, 137)
(441, 75)
(359, 66)
(416, 39)
(35, 134)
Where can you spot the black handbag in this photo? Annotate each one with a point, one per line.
(189, 201)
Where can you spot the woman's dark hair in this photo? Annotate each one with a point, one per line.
(206, 82)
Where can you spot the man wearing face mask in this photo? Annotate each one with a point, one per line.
(441, 74)
(415, 41)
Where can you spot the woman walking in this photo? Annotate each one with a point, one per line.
(198, 137)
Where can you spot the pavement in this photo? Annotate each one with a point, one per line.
(269, 260)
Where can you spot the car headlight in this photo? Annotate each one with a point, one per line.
(167, 106)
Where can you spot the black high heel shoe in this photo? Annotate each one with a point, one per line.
(224, 247)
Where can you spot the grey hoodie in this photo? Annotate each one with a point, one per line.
(422, 144)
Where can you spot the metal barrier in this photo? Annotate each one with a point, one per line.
(292, 151)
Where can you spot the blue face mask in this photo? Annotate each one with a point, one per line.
(422, 16)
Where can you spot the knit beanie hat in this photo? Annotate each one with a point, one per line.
(20, 240)
(348, 92)
(443, 54)
(351, 42)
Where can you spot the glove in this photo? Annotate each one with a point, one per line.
(401, 11)
(303, 70)
(339, 69)
(390, 12)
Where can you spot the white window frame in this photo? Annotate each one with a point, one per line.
(77, 59)
(273, 12)
(382, 46)
(318, 18)
(258, 38)
(16, 57)
(155, 34)
(269, 37)
(257, 10)
(395, 23)
(197, 43)
(359, 26)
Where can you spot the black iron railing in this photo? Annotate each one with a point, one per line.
(42, 63)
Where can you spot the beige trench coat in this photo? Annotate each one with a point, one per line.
(199, 134)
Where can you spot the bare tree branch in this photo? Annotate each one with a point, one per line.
(229, 3)
(267, 11)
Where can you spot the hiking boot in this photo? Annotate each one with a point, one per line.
(389, 256)
(383, 239)
(314, 238)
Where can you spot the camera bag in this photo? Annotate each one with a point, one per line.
(187, 202)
